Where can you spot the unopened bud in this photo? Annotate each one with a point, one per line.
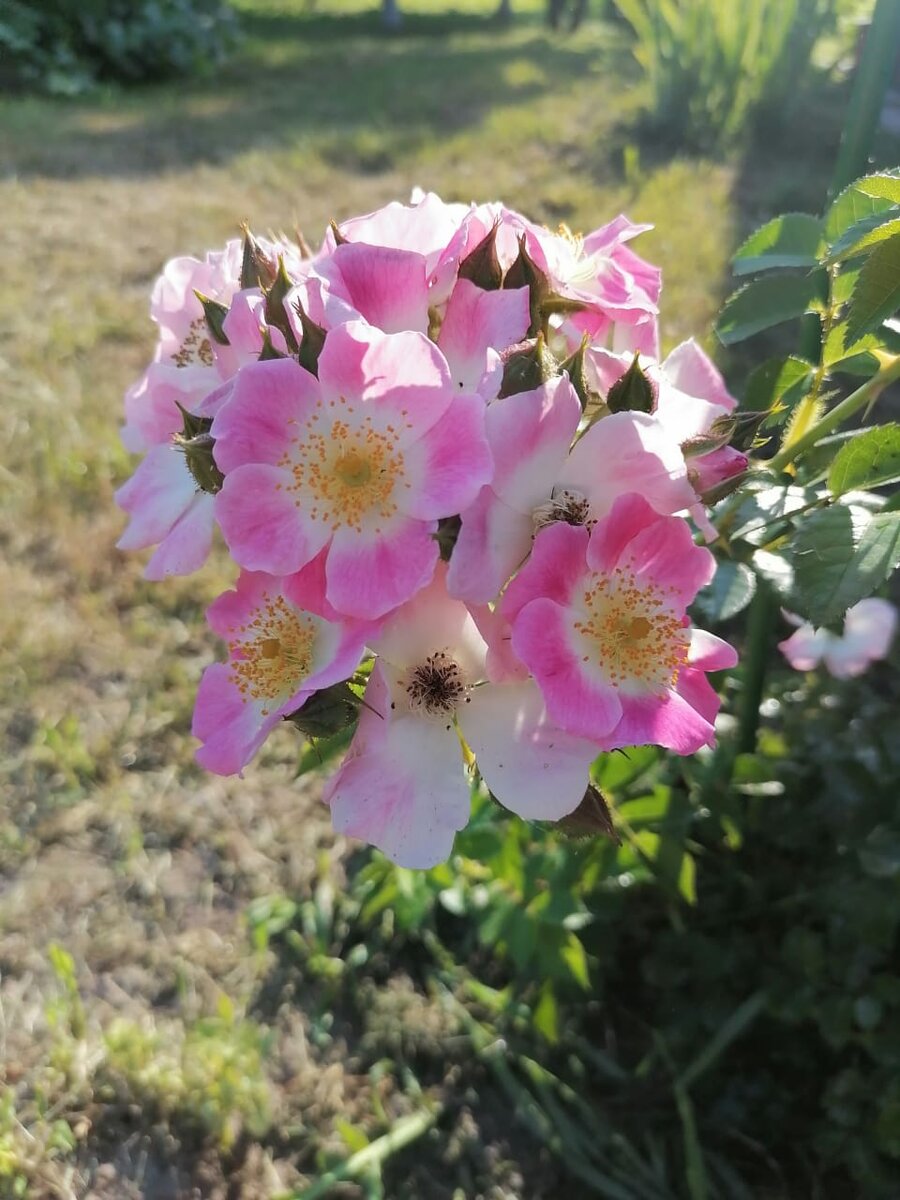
(275, 312)
(574, 367)
(257, 269)
(327, 711)
(526, 273)
(196, 444)
(482, 266)
(526, 366)
(215, 314)
(311, 342)
(633, 392)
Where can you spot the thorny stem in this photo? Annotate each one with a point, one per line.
(869, 391)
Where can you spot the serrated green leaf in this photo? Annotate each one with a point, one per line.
(730, 591)
(767, 302)
(885, 184)
(869, 460)
(841, 555)
(777, 384)
(877, 227)
(877, 293)
(853, 359)
(791, 240)
(850, 207)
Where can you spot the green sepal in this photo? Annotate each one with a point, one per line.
(446, 535)
(269, 349)
(633, 392)
(526, 273)
(719, 491)
(215, 314)
(312, 341)
(528, 366)
(718, 435)
(196, 444)
(327, 711)
(482, 266)
(574, 367)
(746, 430)
(592, 817)
(275, 312)
(339, 239)
(257, 270)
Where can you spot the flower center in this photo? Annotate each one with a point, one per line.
(196, 346)
(632, 632)
(435, 686)
(346, 470)
(564, 505)
(353, 469)
(272, 653)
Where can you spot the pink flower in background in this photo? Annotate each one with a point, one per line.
(284, 642)
(538, 480)
(360, 462)
(599, 619)
(402, 786)
(869, 628)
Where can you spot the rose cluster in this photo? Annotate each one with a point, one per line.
(461, 491)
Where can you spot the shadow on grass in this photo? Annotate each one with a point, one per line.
(340, 86)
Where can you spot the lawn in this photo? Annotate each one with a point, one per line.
(153, 1039)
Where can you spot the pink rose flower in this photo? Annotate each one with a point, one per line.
(284, 643)
(600, 619)
(360, 463)
(538, 479)
(402, 785)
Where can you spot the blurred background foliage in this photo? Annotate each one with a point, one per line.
(68, 46)
(201, 990)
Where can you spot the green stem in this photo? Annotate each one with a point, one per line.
(760, 629)
(375, 1154)
(864, 395)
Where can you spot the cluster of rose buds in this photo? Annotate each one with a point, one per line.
(461, 491)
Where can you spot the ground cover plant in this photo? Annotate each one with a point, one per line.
(199, 987)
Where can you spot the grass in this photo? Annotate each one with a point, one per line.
(151, 1049)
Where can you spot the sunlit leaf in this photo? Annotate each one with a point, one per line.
(791, 240)
(849, 208)
(867, 460)
(841, 555)
(877, 293)
(769, 301)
